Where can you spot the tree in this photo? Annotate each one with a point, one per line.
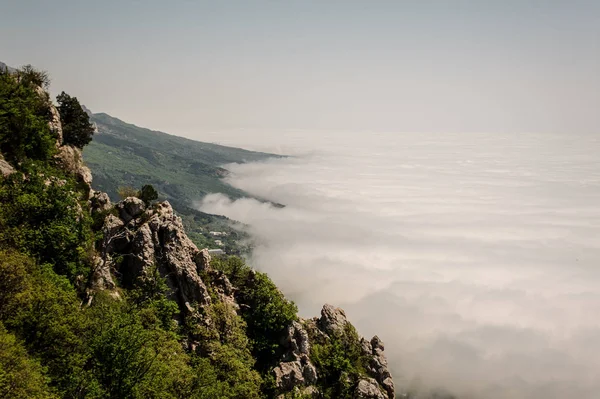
(20, 375)
(148, 194)
(266, 311)
(77, 129)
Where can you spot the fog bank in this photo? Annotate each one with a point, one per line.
(475, 257)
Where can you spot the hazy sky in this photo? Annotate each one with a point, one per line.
(190, 67)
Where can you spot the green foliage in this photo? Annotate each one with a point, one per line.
(133, 360)
(40, 215)
(21, 377)
(151, 296)
(46, 316)
(225, 343)
(148, 194)
(340, 361)
(112, 349)
(266, 311)
(24, 115)
(76, 126)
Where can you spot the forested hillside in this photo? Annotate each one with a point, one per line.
(113, 300)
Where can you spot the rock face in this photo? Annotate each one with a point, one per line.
(100, 202)
(378, 367)
(56, 125)
(368, 389)
(332, 319)
(144, 238)
(296, 369)
(5, 168)
(71, 160)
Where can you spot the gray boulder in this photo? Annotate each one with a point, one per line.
(332, 319)
(368, 389)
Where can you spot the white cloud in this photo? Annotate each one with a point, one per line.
(475, 257)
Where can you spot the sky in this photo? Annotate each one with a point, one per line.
(193, 67)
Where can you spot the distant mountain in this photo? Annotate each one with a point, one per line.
(4, 67)
(182, 170)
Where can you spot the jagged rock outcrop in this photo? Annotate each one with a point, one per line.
(378, 366)
(130, 208)
(100, 202)
(332, 319)
(296, 370)
(141, 237)
(5, 168)
(56, 125)
(368, 389)
(71, 160)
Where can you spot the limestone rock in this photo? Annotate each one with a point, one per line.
(296, 369)
(5, 168)
(378, 366)
(71, 160)
(296, 341)
(130, 208)
(221, 284)
(56, 125)
(368, 389)
(332, 319)
(145, 238)
(101, 278)
(297, 373)
(100, 202)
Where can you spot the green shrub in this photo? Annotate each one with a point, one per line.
(266, 311)
(21, 377)
(131, 360)
(225, 343)
(340, 361)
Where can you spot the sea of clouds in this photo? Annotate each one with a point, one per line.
(475, 257)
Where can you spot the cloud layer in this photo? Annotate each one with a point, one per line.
(475, 257)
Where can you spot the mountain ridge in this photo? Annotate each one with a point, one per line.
(182, 170)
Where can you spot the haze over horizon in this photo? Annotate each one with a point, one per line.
(188, 68)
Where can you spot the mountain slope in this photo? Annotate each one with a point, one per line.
(121, 151)
(182, 171)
